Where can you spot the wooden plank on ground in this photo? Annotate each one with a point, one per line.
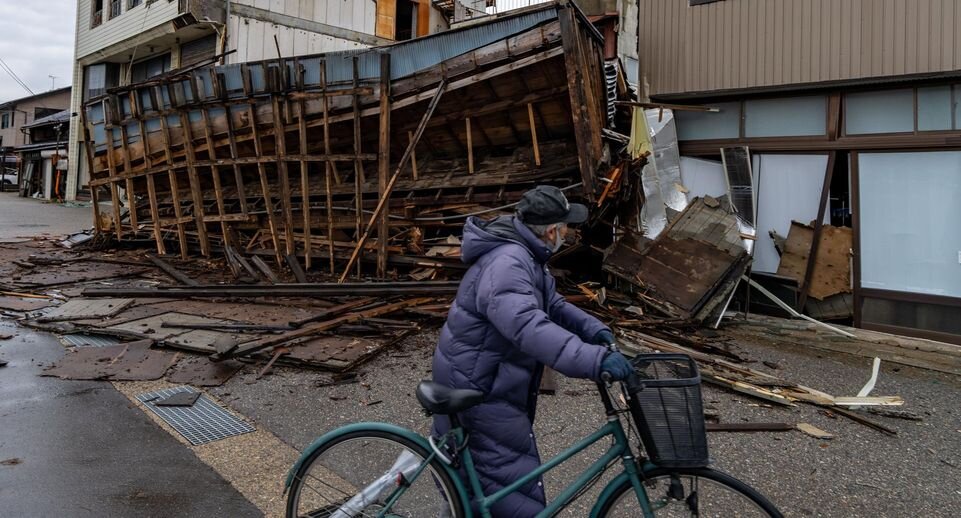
(316, 328)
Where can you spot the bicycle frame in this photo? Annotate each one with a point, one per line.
(620, 448)
(613, 428)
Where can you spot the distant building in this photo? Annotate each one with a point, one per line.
(15, 116)
(119, 42)
(863, 97)
(43, 159)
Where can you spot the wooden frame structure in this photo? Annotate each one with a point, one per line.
(308, 156)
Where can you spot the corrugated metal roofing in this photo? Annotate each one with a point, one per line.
(407, 58)
(412, 56)
(62, 116)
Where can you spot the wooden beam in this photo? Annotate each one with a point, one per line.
(359, 179)
(304, 171)
(224, 162)
(174, 186)
(89, 151)
(382, 202)
(324, 93)
(215, 173)
(114, 195)
(328, 187)
(265, 185)
(818, 230)
(151, 191)
(580, 110)
(470, 148)
(280, 148)
(383, 163)
(171, 271)
(537, 150)
(413, 154)
(131, 195)
(195, 188)
(676, 107)
(238, 176)
(316, 328)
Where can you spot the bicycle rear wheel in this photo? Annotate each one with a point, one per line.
(701, 492)
(356, 474)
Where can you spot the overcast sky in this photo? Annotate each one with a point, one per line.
(36, 41)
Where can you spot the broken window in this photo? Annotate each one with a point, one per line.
(405, 20)
(98, 78)
(198, 50)
(96, 16)
(402, 19)
(115, 8)
(150, 68)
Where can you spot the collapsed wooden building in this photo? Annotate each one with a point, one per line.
(354, 157)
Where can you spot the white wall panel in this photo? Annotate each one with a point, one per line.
(788, 188)
(910, 222)
(702, 178)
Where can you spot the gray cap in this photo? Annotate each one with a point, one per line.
(546, 204)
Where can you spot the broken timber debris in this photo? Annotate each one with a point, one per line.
(691, 267)
(293, 156)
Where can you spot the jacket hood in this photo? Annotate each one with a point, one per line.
(482, 236)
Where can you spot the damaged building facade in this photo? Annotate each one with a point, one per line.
(121, 42)
(851, 112)
(353, 157)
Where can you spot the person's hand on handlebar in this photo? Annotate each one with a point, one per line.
(603, 337)
(616, 366)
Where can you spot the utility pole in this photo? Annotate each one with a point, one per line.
(53, 82)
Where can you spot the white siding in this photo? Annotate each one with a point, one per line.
(254, 41)
(130, 23)
(355, 15)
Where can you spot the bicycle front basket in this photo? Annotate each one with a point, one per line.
(665, 402)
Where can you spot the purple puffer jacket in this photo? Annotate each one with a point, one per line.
(505, 324)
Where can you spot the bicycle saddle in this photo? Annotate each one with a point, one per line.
(438, 399)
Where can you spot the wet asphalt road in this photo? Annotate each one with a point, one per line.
(23, 218)
(80, 448)
(861, 472)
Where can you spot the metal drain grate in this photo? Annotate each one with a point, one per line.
(82, 340)
(201, 423)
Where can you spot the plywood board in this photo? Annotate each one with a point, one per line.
(832, 272)
(134, 361)
(201, 372)
(24, 304)
(79, 309)
(153, 327)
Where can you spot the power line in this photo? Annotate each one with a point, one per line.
(10, 71)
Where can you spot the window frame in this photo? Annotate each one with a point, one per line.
(110, 12)
(133, 3)
(96, 16)
(955, 120)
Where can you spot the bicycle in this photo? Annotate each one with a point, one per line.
(378, 469)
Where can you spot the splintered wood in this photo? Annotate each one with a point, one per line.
(308, 157)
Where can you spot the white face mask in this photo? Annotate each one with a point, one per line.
(558, 239)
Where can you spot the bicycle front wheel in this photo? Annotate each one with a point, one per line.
(372, 473)
(700, 492)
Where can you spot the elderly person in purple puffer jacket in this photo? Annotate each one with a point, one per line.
(506, 323)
